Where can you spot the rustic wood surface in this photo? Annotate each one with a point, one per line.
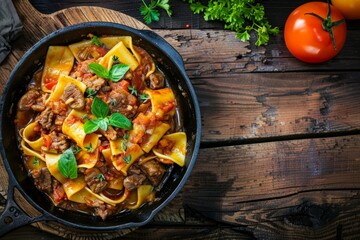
(280, 151)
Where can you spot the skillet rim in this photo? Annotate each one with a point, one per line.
(166, 49)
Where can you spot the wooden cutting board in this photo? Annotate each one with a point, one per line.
(36, 26)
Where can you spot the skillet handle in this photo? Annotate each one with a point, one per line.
(165, 46)
(13, 217)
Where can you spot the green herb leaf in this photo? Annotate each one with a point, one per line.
(91, 126)
(124, 142)
(100, 176)
(36, 161)
(118, 71)
(99, 108)
(76, 150)
(103, 123)
(144, 97)
(241, 16)
(115, 73)
(150, 12)
(90, 92)
(89, 148)
(99, 70)
(120, 121)
(95, 41)
(132, 90)
(115, 59)
(127, 159)
(67, 164)
(197, 7)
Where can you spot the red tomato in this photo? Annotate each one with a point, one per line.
(349, 8)
(307, 39)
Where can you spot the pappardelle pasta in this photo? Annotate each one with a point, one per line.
(97, 126)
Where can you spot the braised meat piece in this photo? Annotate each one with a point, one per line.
(134, 181)
(46, 118)
(101, 209)
(154, 171)
(110, 133)
(156, 80)
(39, 104)
(42, 180)
(28, 99)
(59, 142)
(122, 102)
(95, 82)
(73, 97)
(95, 180)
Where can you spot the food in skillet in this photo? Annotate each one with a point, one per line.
(98, 126)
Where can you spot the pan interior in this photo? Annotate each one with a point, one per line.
(16, 87)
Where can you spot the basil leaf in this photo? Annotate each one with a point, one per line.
(99, 70)
(103, 123)
(91, 126)
(120, 121)
(67, 164)
(99, 108)
(118, 71)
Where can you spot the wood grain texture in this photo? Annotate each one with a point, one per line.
(251, 179)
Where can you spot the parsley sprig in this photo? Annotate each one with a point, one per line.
(151, 13)
(115, 73)
(242, 16)
(100, 110)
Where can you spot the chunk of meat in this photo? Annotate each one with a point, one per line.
(39, 104)
(28, 99)
(123, 102)
(95, 82)
(43, 180)
(59, 142)
(46, 118)
(73, 97)
(134, 181)
(110, 133)
(154, 171)
(95, 180)
(101, 208)
(156, 80)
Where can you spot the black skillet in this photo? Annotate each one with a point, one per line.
(168, 60)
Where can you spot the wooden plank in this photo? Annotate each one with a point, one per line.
(257, 106)
(276, 12)
(300, 189)
(218, 52)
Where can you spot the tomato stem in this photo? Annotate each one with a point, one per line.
(327, 23)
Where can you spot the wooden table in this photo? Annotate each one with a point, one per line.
(280, 152)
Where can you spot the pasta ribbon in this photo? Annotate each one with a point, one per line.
(59, 60)
(74, 128)
(73, 187)
(133, 152)
(143, 193)
(31, 137)
(62, 83)
(122, 53)
(116, 146)
(87, 159)
(162, 102)
(154, 137)
(30, 152)
(52, 164)
(177, 142)
(103, 198)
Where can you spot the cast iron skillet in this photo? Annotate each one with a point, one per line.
(168, 60)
